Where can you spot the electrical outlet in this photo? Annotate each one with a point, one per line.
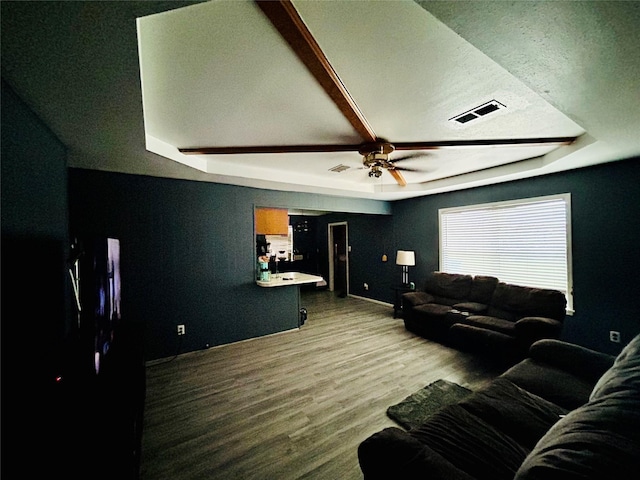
(180, 329)
(614, 336)
(366, 286)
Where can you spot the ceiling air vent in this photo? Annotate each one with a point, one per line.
(478, 112)
(339, 168)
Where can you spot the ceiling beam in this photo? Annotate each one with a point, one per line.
(285, 18)
(496, 142)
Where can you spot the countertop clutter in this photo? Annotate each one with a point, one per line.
(289, 278)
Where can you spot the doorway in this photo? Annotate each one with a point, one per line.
(338, 258)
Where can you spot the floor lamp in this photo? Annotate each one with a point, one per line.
(406, 258)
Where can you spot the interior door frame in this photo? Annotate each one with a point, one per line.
(331, 235)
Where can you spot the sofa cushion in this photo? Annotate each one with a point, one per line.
(482, 288)
(471, 307)
(448, 301)
(411, 299)
(437, 317)
(513, 302)
(451, 286)
(534, 328)
(600, 439)
(433, 309)
(393, 453)
(492, 323)
(471, 444)
(498, 346)
(523, 416)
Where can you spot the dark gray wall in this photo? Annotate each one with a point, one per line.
(188, 254)
(34, 231)
(188, 250)
(369, 236)
(605, 202)
(34, 313)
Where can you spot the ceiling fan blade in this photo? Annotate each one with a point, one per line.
(409, 169)
(409, 157)
(483, 143)
(285, 18)
(398, 176)
(239, 150)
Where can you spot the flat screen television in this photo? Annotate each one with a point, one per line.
(96, 280)
(107, 295)
(109, 383)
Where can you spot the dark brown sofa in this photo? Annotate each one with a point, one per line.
(480, 313)
(564, 413)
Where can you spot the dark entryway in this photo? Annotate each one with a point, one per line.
(339, 258)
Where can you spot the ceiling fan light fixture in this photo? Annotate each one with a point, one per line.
(375, 159)
(375, 171)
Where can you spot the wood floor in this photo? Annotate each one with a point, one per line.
(294, 405)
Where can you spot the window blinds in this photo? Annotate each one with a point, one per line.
(525, 242)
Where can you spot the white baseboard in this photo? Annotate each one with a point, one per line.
(150, 363)
(372, 300)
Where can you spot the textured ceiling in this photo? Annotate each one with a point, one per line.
(123, 87)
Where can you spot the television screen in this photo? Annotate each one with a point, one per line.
(95, 274)
(107, 299)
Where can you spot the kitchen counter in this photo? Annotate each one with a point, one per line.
(289, 278)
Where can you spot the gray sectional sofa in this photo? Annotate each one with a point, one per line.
(564, 413)
(481, 313)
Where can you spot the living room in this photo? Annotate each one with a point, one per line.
(188, 248)
(160, 288)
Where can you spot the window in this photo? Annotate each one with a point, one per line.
(525, 242)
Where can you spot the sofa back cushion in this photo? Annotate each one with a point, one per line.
(523, 416)
(482, 288)
(512, 302)
(470, 443)
(448, 288)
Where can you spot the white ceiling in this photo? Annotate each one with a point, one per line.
(218, 74)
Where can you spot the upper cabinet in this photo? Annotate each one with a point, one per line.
(272, 221)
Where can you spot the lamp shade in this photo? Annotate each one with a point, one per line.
(406, 257)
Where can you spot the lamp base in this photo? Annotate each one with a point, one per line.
(405, 275)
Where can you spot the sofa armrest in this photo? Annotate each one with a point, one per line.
(393, 453)
(530, 329)
(578, 360)
(416, 298)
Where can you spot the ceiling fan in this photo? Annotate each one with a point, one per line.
(375, 151)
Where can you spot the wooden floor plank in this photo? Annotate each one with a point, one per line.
(294, 405)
